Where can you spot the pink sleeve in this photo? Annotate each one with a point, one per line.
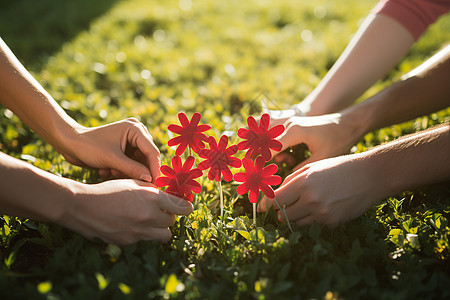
(415, 15)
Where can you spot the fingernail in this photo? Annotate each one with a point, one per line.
(146, 177)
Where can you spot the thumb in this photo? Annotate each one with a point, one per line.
(287, 139)
(174, 205)
(132, 168)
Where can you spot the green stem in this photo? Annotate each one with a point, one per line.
(221, 199)
(254, 214)
(285, 214)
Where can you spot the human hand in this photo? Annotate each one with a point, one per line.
(123, 148)
(278, 117)
(330, 192)
(123, 211)
(325, 136)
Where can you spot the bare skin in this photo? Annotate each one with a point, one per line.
(333, 189)
(119, 211)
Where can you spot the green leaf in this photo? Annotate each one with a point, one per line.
(102, 281)
(44, 287)
(244, 233)
(124, 288)
(171, 284)
(314, 231)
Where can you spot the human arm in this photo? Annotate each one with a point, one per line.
(376, 47)
(105, 147)
(422, 91)
(116, 211)
(383, 38)
(339, 189)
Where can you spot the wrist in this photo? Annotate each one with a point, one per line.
(355, 123)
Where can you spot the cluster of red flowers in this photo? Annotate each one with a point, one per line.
(218, 158)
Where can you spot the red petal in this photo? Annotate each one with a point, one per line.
(275, 131)
(259, 163)
(196, 188)
(269, 170)
(243, 145)
(253, 197)
(264, 122)
(188, 164)
(163, 181)
(274, 144)
(213, 173)
(242, 189)
(235, 162)
(181, 148)
(240, 177)
(175, 141)
(175, 128)
(176, 164)
(272, 180)
(203, 127)
(195, 173)
(166, 170)
(189, 197)
(248, 165)
(242, 133)
(212, 142)
(252, 124)
(223, 142)
(267, 190)
(231, 150)
(204, 165)
(227, 175)
(265, 154)
(195, 119)
(184, 121)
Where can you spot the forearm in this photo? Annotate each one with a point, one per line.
(23, 95)
(374, 50)
(425, 92)
(415, 160)
(30, 192)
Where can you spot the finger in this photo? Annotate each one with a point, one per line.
(162, 234)
(294, 212)
(117, 174)
(139, 137)
(164, 219)
(104, 173)
(289, 191)
(307, 220)
(288, 139)
(304, 163)
(174, 205)
(131, 168)
(264, 205)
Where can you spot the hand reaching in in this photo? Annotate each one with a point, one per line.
(123, 211)
(325, 136)
(330, 191)
(123, 148)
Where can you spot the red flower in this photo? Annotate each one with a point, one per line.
(180, 179)
(218, 158)
(257, 178)
(190, 134)
(260, 139)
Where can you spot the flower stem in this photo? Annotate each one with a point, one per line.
(285, 214)
(254, 214)
(221, 199)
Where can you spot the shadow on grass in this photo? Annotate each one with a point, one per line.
(36, 29)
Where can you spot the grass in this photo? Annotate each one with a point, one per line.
(116, 59)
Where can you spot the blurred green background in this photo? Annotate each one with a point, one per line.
(107, 60)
